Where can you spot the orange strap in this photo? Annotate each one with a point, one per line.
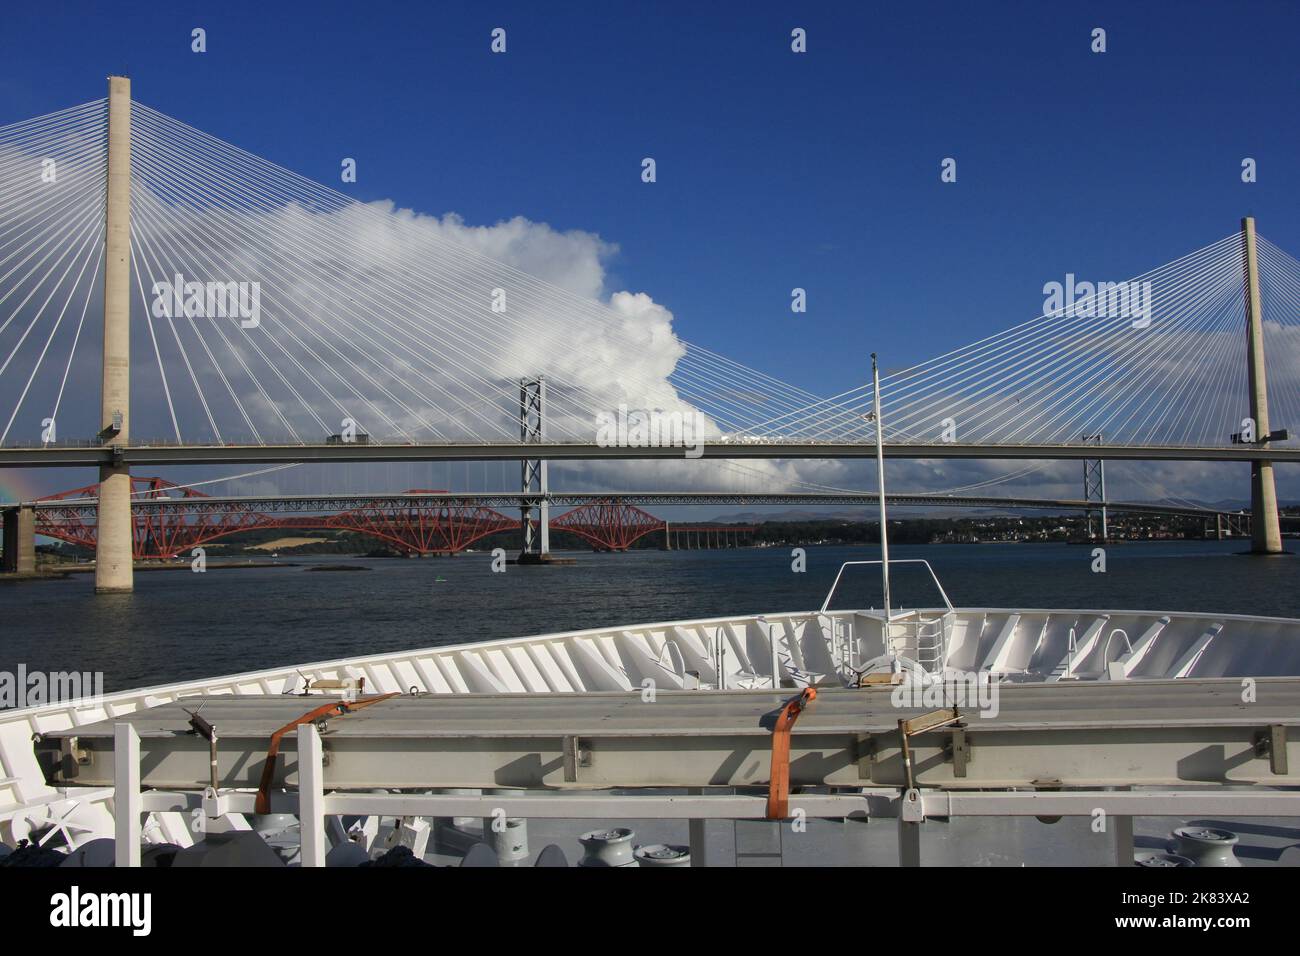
(778, 794)
(338, 708)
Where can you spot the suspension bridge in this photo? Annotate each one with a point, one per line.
(276, 320)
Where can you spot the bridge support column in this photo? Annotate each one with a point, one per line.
(9, 559)
(536, 543)
(1094, 489)
(20, 540)
(113, 545)
(1266, 531)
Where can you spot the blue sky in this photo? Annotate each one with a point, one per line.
(775, 170)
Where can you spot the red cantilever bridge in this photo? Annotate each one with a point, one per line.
(169, 519)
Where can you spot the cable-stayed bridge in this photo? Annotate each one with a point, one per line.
(230, 310)
(367, 314)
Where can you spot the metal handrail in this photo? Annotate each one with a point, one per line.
(1105, 653)
(932, 630)
(831, 593)
(718, 652)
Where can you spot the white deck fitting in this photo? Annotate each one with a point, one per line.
(809, 645)
(723, 805)
(387, 742)
(1074, 734)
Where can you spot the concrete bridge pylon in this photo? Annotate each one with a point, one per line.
(1266, 528)
(113, 558)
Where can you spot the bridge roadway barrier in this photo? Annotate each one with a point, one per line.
(85, 455)
(1043, 736)
(179, 501)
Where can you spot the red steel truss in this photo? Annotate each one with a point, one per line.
(156, 532)
(424, 528)
(420, 526)
(608, 525)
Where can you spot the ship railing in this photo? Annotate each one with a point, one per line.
(926, 638)
(893, 561)
(843, 645)
(929, 641)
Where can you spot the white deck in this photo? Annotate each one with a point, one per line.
(733, 652)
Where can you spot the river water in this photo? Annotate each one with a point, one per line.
(179, 625)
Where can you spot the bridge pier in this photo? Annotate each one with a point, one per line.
(1094, 489)
(1266, 528)
(114, 570)
(20, 540)
(535, 544)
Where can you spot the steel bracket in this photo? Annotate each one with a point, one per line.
(1271, 743)
(73, 755)
(957, 750)
(923, 723)
(911, 808)
(864, 754)
(577, 754)
(215, 803)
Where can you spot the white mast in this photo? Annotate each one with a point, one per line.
(880, 487)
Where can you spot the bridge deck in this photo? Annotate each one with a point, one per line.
(44, 456)
(205, 504)
(1063, 734)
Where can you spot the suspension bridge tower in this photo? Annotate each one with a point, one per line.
(1266, 530)
(113, 551)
